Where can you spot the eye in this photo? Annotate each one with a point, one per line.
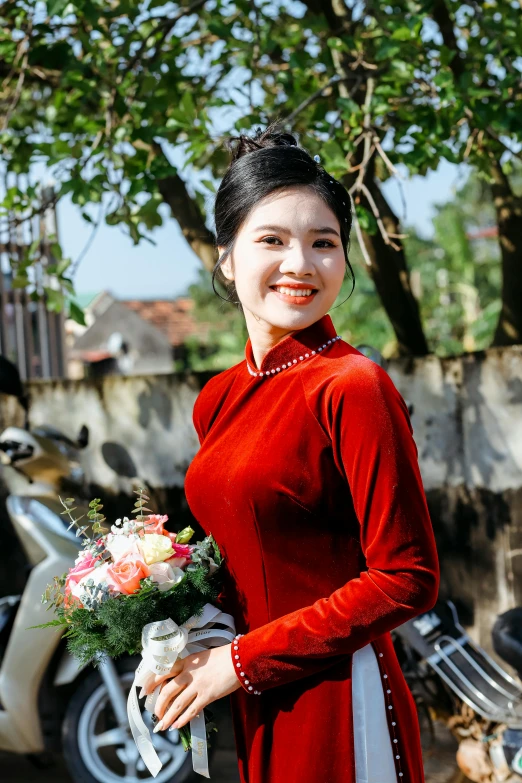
(327, 241)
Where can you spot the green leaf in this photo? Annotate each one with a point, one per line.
(55, 300)
(401, 34)
(20, 281)
(56, 6)
(76, 313)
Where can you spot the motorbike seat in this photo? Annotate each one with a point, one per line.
(506, 635)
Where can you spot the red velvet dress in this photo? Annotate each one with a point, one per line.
(307, 477)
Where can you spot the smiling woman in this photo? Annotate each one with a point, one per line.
(283, 212)
(289, 263)
(307, 477)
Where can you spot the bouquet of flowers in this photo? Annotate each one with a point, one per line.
(138, 588)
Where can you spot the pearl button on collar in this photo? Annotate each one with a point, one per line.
(302, 358)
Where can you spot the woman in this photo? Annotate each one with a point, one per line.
(307, 477)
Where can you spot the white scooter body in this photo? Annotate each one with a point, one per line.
(35, 465)
(51, 550)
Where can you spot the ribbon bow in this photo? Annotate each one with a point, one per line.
(162, 644)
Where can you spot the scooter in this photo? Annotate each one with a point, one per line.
(48, 704)
(453, 677)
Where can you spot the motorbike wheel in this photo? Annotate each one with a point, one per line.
(97, 750)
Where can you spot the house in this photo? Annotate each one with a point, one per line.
(133, 337)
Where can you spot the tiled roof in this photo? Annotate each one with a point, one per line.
(490, 232)
(171, 316)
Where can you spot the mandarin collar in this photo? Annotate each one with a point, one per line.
(294, 345)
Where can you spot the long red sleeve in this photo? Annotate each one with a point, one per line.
(372, 441)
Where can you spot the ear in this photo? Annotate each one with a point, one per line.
(226, 266)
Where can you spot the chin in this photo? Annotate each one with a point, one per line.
(287, 318)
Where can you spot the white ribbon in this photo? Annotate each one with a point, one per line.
(163, 643)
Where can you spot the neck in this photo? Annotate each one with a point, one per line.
(292, 347)
(262, 344)
(263, 336)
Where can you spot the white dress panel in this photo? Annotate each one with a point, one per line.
(374, 762)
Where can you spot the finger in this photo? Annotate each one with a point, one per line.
(183, 708)
(194, 710)
(151, 681)
(168, 692)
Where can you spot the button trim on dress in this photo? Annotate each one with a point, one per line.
(244, 682)
(387, 696)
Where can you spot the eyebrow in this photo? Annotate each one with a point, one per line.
(323, 230)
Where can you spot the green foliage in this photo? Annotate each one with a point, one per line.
(101, 94)
(140, 507)
(227, 333)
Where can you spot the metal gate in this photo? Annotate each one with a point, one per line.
(30, 335)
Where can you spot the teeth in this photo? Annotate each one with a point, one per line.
(293, 291)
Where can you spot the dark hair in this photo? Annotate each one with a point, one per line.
(261, 164)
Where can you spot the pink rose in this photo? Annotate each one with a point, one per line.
(127, 572)
(99, 575)
(182, 552)
(79, 571)
(177, 562)
(154, 524)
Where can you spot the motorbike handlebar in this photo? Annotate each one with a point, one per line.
(15, 450)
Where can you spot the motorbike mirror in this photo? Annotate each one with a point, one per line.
(83, 437)
(10, 382)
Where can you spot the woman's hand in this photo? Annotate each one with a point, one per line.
(198, 680)
(150, 681)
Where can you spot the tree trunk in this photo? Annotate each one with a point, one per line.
(508, 207)
(390, 274)
(188, 215)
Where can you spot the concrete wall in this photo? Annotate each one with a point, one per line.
(467, 422)
(468, 428)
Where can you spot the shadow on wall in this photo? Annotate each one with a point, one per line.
(155, 401)
(118, 459)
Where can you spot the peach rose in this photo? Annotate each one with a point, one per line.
(127, 572)
(153, 524)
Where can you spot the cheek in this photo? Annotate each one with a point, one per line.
(252, 279)
(337, 270)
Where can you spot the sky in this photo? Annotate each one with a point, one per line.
(112, 262)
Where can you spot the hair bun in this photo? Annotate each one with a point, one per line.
(272, 136)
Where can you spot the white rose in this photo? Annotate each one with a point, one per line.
(155, 548)
(165, 575)
(120, 545)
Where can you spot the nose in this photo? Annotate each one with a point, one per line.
(296, 262)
